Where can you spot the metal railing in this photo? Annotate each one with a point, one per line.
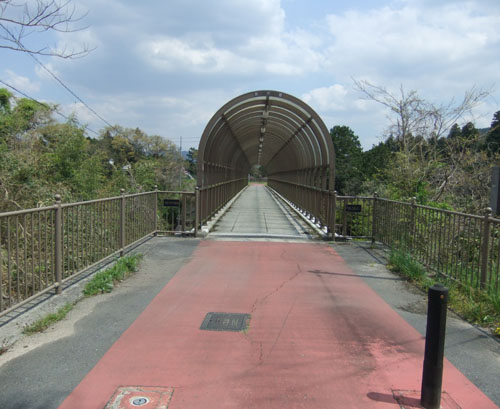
(177, 212)
(41, 249)
(354, 216)
(460, 246)
(214, 197)
(317, 204)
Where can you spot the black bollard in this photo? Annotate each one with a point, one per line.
(432, 377)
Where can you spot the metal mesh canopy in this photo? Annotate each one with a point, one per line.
(268, 128)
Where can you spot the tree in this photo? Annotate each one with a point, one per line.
(21, 19)
(455, 132)
(469, 131)
(435, 154)
(415, 119)
(19, 116)
(377, 159)
(348, 158)
(493, 136)
(192, 157)
(5, 98)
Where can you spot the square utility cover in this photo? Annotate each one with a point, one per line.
(223, 321)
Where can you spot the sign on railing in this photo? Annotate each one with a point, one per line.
(353, 208)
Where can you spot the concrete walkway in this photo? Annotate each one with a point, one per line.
(259, 214)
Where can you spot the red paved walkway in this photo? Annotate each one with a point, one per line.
(319, 338)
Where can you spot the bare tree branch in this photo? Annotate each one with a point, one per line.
(412, 116)
(21, 19)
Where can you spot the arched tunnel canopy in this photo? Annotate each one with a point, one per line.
(268, 128)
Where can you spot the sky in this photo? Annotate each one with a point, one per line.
(166, 66)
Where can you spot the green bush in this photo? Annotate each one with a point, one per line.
(477, 306)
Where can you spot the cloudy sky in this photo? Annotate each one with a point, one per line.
(166, 66)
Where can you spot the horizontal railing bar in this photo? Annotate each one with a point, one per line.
(435, 209)
(354, 197)
(27, 300)
(175, 192)
(107, 199)
(26, 211)
(175, 231)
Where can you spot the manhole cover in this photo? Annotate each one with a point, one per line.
(222, 321)
(140, 397)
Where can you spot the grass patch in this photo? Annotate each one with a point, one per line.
(104, 281)
(479, 307)
(45, 322)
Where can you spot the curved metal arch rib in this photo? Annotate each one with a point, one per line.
(275, 130)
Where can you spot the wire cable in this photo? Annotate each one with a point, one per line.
(44, 105)
(56, 78)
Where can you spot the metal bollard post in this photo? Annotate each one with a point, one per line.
(432, 377)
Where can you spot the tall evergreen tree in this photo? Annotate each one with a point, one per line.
(348, 160)
(493, 137)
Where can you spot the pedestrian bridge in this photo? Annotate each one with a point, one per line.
(42, 249)
(278, 132)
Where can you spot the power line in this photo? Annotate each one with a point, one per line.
(43, 104)
(69, 90)
(55, 77)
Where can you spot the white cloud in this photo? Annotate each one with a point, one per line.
(327, 99)
(43, 74)
(282, 54)
(234, 38)
(408, 41)
(21, 82)
(172, 54)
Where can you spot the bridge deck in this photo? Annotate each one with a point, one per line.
(258, 213)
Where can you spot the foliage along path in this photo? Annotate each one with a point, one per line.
(319, 337)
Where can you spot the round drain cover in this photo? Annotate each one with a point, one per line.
(139, 401)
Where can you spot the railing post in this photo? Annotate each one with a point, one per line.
(122, 222)
(197, 210)
(58, 238)
(184, 213)
(374, 217)
(413, 223)
(485, 244)
(156, 211)
(333, 215)
(344, 217)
